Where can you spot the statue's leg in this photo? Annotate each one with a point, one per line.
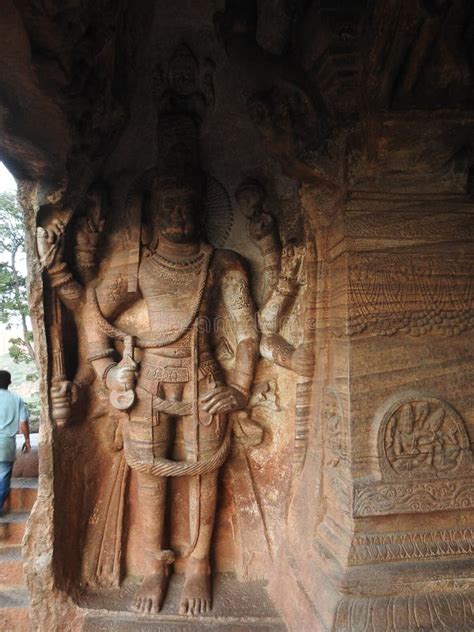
(196, 596)
(152, 508)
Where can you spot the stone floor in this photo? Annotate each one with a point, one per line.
(14, 615)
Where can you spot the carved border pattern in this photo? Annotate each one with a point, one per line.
(407, 546)
(418, 611)
(383, 499)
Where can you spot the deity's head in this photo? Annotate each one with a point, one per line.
(250, 195)
(178, 212)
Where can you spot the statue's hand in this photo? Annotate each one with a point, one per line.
(223, 399)
(122, 377)
(292, 263)
(302, 360)
(50, 243)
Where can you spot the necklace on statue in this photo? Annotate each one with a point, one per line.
(165, 265)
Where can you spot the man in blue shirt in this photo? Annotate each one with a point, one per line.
(13, 417)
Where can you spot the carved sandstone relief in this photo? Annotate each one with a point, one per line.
(174, 396)
(422, 438)
(421, 441)
(170, 331)
(411, 294)
(381, 499)
(288, 276)
(423, 610)
(336, 447)
(97, 95)
(393, 547)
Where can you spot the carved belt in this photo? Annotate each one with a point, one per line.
(167, 352)
(170, 370)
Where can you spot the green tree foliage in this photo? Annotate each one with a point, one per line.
(13, 293)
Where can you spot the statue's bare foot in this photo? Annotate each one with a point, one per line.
(151, 593)
(196, 595)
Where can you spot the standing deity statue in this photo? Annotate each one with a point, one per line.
(176, 392)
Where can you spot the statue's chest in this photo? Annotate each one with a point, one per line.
(171, 294)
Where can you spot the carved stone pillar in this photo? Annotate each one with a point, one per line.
(380, 533)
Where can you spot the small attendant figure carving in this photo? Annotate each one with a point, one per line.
(180, 398)
(283, 278)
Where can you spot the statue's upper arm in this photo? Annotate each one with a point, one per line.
(236, 294)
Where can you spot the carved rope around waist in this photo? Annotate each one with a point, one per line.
(166, 467)
(172, 407)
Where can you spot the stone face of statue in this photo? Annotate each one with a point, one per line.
(250, 200)
(178, 216)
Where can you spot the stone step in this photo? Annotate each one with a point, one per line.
(11, 567)
(23, 494)
(123, 623)
(238, 607)
(12, 527)
(14, 614)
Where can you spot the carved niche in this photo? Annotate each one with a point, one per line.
(422, 437)
(165, 318)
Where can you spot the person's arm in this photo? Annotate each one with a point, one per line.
(25, 430)
(25, 427)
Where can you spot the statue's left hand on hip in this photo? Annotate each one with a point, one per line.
(223, 399)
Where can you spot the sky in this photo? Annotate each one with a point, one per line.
(7, 183)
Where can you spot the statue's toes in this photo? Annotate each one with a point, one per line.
(195, 606)
(147, 605)
(136, 605)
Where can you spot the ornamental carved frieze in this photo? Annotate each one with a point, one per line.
(422, 438)
(392, 547)
(384, 499)
(411, 294)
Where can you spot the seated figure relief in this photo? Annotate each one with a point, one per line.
(422, 438)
